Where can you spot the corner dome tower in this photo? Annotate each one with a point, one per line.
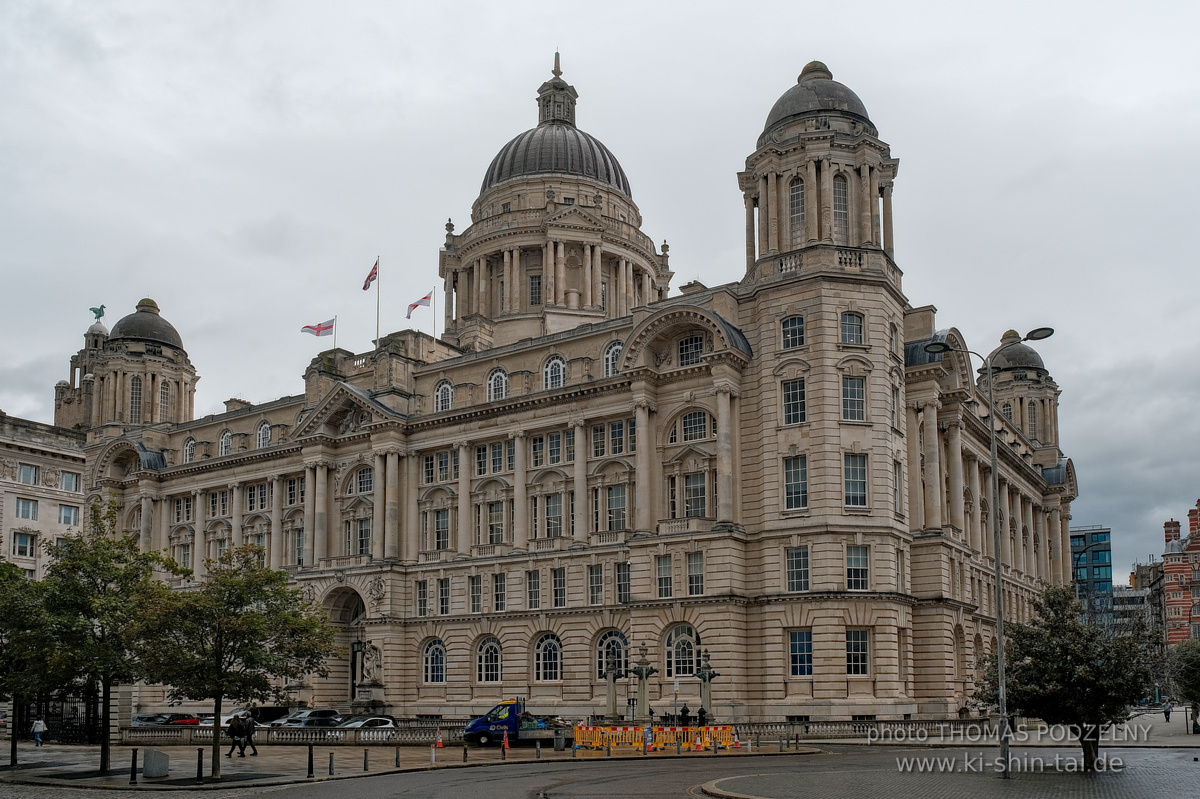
(146, 324)
(1024, 391)
(815, 93)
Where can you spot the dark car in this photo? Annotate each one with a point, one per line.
(296, 719)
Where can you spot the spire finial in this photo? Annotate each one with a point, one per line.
(556, 71)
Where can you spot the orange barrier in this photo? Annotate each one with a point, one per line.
(663, 737)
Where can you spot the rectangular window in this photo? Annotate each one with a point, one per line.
(69, 481)
(497, 458)
(598, 441)
(632, 424)
(533, 589)
(559, 577)
(499, 592)
(251, 496)
(422, 598)
(24, 545)
(616, 507)
(895, 407)
(535, 289)
(1102, 571)
(475, 586)
(695, 573)
(616, 438)
(795, 482)
(897, 486)
(185, 555)
(694, 506)
(797, 569)
(691, 350)
(539, 451)
(428, 468)
(444, 596)
(510, 454)
(28, 474)
(695, 426)
(364, 536)
(623, 583)
(299, 547)
(793, 402)
(857, 653)
(854, 399)
(856, 480)
(554, 515)
(441, 529)
(596, 585)
(454, 462)
(554, 448)
(663, 570)
(496, 522)
(857, 568)
(68, 515)
(793, 332)
(27, 509)
(569, 445)
(800, 650)
(481, 461)
(178, 511)
(443, 466)
(852, 328)
(506, 208)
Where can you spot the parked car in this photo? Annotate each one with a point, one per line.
(370, 722)
(319, 721)
(180, 718)
(296, 719)
(150, 719)
(206, 720)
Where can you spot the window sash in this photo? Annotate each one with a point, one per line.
(694, 490)
(695, 567)
(793, 402)
(800, 652)
(559, 577)
(533, 587)
(858, 573)
(623, 583)
(852, 328)
(855, 467)
(797, 569)
(793, 332)
(854, 399)
(795, 478)
(857, 652)
(663, 569)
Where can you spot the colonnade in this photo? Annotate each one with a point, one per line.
(113, 391)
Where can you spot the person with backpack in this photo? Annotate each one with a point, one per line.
(237, 732)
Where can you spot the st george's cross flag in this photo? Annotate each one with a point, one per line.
(372, 276)
(426, 300)
(321, 329)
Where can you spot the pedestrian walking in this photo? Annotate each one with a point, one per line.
(37, 729)
(248, 727)
(236, 736)
(1167, 708)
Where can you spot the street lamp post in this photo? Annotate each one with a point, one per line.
(937, 347)
(1076, 558)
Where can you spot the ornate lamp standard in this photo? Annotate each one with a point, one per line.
(935, 348)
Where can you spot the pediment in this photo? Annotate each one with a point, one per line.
(689, 456)
(344, 411)
(575, 218)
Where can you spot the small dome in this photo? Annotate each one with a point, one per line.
(1016, 356)
(147, 325)
(97, 327)
(815, 92)
(556, 147)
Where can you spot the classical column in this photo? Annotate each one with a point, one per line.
(514, 287)
(321, 514)
(310, 514)
(465, 520)
(378, 504)
(644, 518)
(579, 481)
(827, 204)
(162, 539)
(275, 560)
(597, 274)
(1006, 553)
(763, 214)
(1014, 509)
(587, 275)
(933, 468)
(916, 505)
(548, 275)
(976, 509)
(772, 213)
(864, 216)
(410, 543)
(505, 296)
(235, 511)
(724, 456)
(391, 505)
(199, 540)
(450, 303)
(811, 200)
(1033, 556)
(520, 495)
(955, 455)
(1044, 550)
(887, 219)
(875, 237)
(749, 200)
(1063, 575)
(560, 274)
(629, 278)
(481, 284)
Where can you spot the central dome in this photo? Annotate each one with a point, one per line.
(147, 325)
(556, 146)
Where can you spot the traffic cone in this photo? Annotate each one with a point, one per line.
(505, 744)
(736, 743)
(439, 738)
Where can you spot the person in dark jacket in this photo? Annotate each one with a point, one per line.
(236, 733)
(248, 727)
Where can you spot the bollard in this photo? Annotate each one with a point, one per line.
(200, 766)
(780, 744)
(464, 753)
(750, 745)
(756, 741)
(331, 764)
(366, 767)
(133, 769)
(678, 743)
(503, 752)
(397, 757)
(310, 761)
(608, 745)
(433, 754)
(537, 750)
(574, 748)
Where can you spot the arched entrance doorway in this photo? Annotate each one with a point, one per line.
(348, 613)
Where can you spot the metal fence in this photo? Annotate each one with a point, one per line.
(409, 732)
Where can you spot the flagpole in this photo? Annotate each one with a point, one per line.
(335, 331)
(378, 282)
(434, 309)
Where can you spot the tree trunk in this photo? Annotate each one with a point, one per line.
(105, 731)
(1089, 740)
(216, 742)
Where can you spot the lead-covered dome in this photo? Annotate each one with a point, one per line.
(556, 146)
(147, 325)
(815, 92)
(1016, 355)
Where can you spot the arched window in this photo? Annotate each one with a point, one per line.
(797, 208)
(435, 661)
(555, 373)
(135, 400)
(226, 443)
(164, 400)
(443, 396)
(1006, 409)
(612, 357)
(264, 434)
(497, 385)
(613, 642)
(189, 450)
(1031, 418)
(852, 328)
(682, 644)
(841, 210)
(365, 480)
(488, 661)
(793, 332)
(547, 659)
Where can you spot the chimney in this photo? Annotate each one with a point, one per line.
(1171, 530)
(1193, 521)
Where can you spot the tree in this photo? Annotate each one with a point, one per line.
(25, 642)
(1069, 672)
(1183, 670)
(237, 637)
(98, 587)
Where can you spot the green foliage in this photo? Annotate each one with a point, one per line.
(25, 637)
(1065, 671)
(1183, 669)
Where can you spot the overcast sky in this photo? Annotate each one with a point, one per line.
(243, 163)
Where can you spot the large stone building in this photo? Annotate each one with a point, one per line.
(1181, 579)
(773, 470)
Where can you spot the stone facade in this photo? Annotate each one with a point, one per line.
(773, 470)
